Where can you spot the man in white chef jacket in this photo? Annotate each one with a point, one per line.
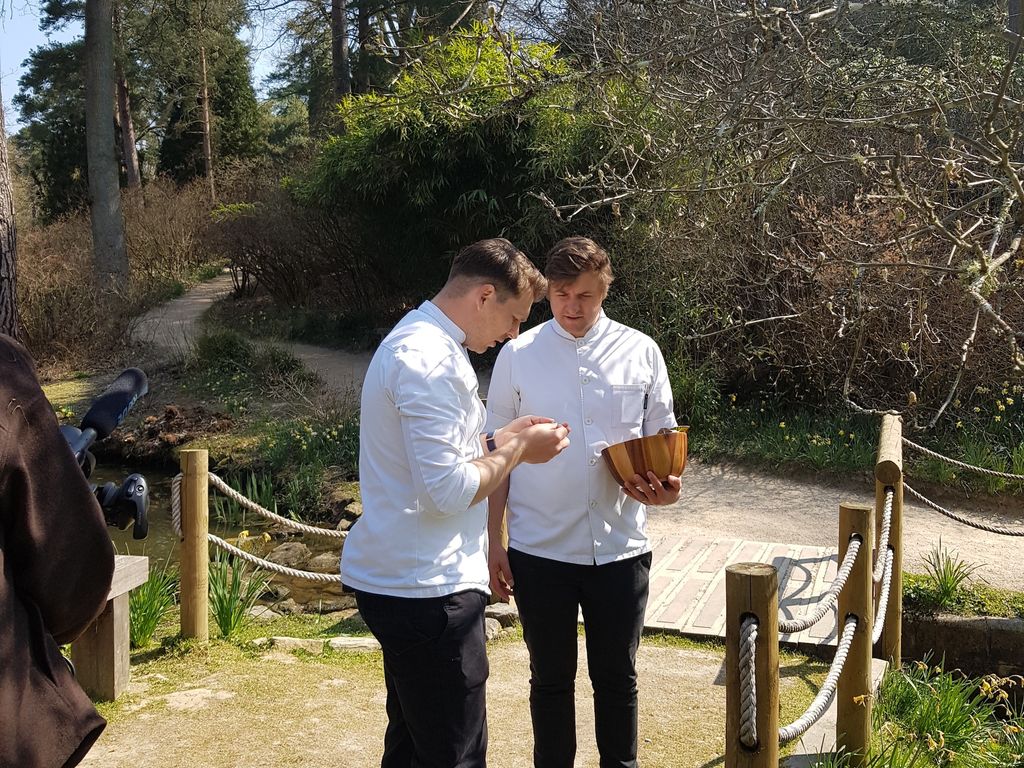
(575, 539)
(417, 558)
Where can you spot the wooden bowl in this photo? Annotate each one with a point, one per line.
(663, 454)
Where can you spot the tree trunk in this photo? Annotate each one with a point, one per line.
(111, 256)
(207, 139)
(8, 243)
(129, 150)
(363, 74)
(339, 49)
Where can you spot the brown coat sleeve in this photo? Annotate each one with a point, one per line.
(54, 538)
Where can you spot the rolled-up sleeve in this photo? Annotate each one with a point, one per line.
(431, 402)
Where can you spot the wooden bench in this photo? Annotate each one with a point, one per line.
(101, 654)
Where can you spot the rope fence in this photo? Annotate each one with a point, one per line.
(829, 599)
(870, 607)
(883, 541)
(866, 588)
(883, 600)
(219, 484)
(828, 689)
(961, 464)
(1002, 531)
(748, 683)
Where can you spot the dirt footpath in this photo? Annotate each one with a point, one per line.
(734, 502)
(277, 711)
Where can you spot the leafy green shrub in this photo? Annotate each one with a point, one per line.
(925, 717)
(233, 592)
(222, 350)
(229, 366)
(424, 172)
(149, 603)
(695, 393)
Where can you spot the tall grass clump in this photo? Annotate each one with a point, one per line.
(233, 592)
(255, 486)
(149, 603)
(948, 575)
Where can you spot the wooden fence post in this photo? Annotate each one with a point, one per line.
(752, 589)
(854, 691)
(195, 552)
(889, 473)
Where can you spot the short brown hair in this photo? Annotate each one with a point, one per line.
(571, 257)
(498, 262)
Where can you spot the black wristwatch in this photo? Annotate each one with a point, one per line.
(489, 441)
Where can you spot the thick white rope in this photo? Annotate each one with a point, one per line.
(883, 542)
(961, 464)
(883, 598)
(231, 493)
(325, 578)
(828, 689)
(966, 521)
(829, 598)
(748, 683)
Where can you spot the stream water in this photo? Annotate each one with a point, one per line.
(161, 544)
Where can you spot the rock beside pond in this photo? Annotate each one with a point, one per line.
(333, 604)
(277, 591)
(263, 613)
(156, 438)
(288, 606)
(348, 643)
(323, 563)
(504, 613)
(292, 554)
(491, 628)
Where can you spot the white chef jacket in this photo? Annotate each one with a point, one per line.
(611, 385)
(420, 424)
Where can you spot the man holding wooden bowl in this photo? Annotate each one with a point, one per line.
(577, 537)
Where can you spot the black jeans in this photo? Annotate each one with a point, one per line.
(613, 597)
(435, 669)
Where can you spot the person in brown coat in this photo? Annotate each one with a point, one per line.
(56, 565)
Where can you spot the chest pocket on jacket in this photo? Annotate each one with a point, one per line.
(627, 405)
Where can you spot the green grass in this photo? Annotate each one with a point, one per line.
(257, 316)
(779, 435)
(973, 599)
(766, 434)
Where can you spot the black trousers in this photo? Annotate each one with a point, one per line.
(613, 597)
(435, 669)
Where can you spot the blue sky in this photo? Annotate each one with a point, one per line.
(19, 34)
